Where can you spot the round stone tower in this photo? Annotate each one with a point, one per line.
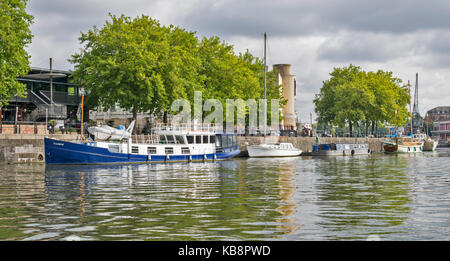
(288, 85)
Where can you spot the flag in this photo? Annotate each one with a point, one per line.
(79, 112)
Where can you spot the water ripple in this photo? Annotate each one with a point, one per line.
(390, 197)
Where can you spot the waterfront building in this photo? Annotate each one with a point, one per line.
(440, 117)
(42, 103)
(288, 89)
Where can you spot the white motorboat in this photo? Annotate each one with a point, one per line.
(429, 144)
(268, 149)
(273, 150)
(105, 132)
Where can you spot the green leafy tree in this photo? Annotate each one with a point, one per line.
(342, 98)
(228, 75)
(15, 35)
(142, 66)
(357, 98)
(391, 99)
(137, 64)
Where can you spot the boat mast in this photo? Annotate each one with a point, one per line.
(265, 95)
(410, 110)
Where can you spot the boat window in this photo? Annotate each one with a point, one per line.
(134, 149)
(185, 150)
(218, 141)
(212, 139)
(162, 139)
(170, 139)
(151, 150)
(180, 139)
(190, 139)
(230, 141)
(224, 141)
(198, 139)
(205, 139)
(113, 148)
(169, 150)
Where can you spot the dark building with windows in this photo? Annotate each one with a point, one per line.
(41, 102)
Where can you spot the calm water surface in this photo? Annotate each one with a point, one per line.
(390, 197)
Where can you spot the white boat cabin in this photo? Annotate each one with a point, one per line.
(174, 142)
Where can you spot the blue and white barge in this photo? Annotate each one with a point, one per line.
(164, 146)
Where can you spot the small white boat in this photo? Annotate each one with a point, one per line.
(273, 150)
(429, 144)
(267, 149)
(105, 132)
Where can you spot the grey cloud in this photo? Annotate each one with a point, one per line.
(314, 36)
(366, 46)
(294, 18)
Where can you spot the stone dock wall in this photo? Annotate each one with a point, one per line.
(306, 143)
(21, 148)
(18, 148)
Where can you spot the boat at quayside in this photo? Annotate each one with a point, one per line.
(429, 144)
(343, 149)
(167, 144)
(271, 149)
(403, 144)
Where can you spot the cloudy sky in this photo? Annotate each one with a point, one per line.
(405, 37)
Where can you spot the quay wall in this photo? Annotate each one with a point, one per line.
(21, 148)
(306, 143)
(18, 148)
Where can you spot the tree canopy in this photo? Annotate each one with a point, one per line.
(15, 35)
(144, 66)
(355, 97)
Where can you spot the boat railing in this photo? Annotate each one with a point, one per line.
(188, 127)
(145, 138)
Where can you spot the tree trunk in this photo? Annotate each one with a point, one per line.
(165, 117)
(367, 128)
(351, 128)
(373, 127)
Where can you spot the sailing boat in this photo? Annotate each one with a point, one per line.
(429, 144)
(404, 144)
(271, 150)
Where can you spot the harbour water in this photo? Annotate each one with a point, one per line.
(382, 197)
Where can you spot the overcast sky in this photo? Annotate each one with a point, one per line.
(405, 37)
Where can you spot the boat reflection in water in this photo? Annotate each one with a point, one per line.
(304, 198)
(220, 200)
